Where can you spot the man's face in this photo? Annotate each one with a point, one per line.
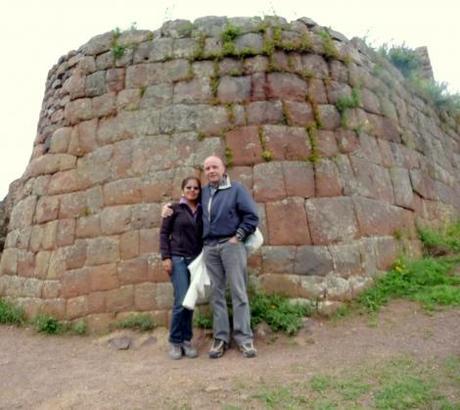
(214, 169)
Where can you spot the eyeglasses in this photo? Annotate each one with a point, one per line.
(195, 188)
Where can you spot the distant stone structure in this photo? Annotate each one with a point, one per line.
(342, 158)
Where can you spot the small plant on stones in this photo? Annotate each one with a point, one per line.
(142, 321)
(47, 324)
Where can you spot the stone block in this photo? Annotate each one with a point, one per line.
(144, 296)
(73, 205)
(47, 209)
(337, 288)
(129, 245)
(116, 219)
(65, 232)
(146, 216)
(347, 259)
(286, 86)
(380, 218)
(102, 250)
(289, 143)
(115, 79)
(78, 110)
(234, 89)
(149, 240)
(269, 182)
(133, 271)
(243, 175)
(49, 235)
(129, 100)
(313, 288)
(54, 307)
(359, 284)
(249, 41)
(387, 251)
(99, 323)
(26, 263)
(313, 260)
(22, 213)
(327, 179)
(118, 300)
(278, 284)
(56, 266)
(299, 179)
(317, 91)
(156, 272)
(197, 90)
(278, 259)
(422, 184)
(51, 289)
(347, 141)
(337, 91)
(402, 187)
(163, 295)
(331, 220)
(42, 260)
(287, 222)
(264, 112)
(88, 227)
(77, 307)
(244, 144)
(326, 143)
(259, 86)
(299, 113)
(316, 65)
(75, 283)
(60, 140)
(104, 105)
(67, 181)
(372, 180)
(122, 192)
(256, 64)
(9, 261)
(329, 117)
(75, 255)
(103, 277)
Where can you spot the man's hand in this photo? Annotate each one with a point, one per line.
(167, 266)
(166, 210)
(234, 239)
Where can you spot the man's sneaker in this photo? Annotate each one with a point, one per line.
(189, 350)
(217, 349)
(248, 349)
(175, 351)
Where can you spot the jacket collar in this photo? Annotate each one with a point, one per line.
(224, 183)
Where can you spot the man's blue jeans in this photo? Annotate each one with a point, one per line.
(181, 321)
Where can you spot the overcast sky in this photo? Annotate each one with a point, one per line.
(35, 34)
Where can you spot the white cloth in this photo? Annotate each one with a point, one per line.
(198, 280)
(254, 241)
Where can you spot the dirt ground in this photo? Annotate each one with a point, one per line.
(71, 372)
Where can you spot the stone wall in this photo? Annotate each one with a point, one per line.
(341, 157)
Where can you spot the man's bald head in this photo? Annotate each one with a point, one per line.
(214, 169)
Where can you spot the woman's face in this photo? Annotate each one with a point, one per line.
(191, 190)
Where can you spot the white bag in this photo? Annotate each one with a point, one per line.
(198, 280)
(254, 241)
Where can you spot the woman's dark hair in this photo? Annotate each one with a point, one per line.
(185, 181)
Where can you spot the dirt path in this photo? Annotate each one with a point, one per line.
(85, 373)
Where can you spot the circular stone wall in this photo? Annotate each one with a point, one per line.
(342, 159)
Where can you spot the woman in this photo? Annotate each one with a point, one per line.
(180, 243)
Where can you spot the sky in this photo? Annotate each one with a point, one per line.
(36, 33)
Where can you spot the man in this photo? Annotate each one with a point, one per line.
(229, 217)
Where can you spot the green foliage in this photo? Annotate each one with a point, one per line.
(48, 324)
(346, 102)
(142, 321)
(202, 320)
(329, 47)
(267, 155)
(314, 156)
(441, 242)
(79, 327)
(278, 312)
(11, 314)
(230, 33)
(228, 157)
(409, 63)
(426, 280)
(118, 51)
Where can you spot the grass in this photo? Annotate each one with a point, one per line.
(142, 321)
(395, 383)
(275, 310)
(48, 324)
(442, 241)
(409, 63)
(11, 314)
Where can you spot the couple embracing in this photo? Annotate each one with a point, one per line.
(218, 218)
